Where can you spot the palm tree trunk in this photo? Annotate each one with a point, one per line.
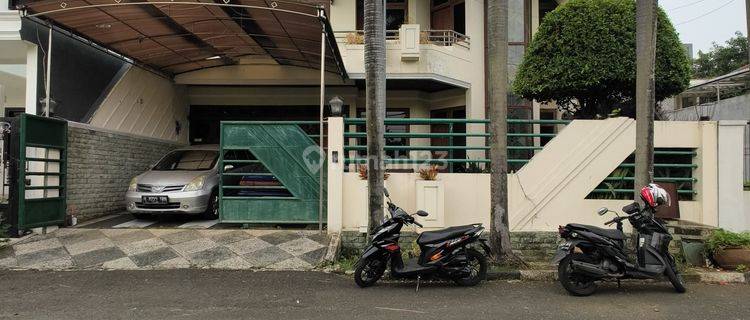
(645, 98)
(497, 85)
(374, 11)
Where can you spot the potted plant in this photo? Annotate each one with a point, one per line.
(430, 196)
(729, 249)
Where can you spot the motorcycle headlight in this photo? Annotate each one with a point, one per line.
(196, 184)
(133, 184)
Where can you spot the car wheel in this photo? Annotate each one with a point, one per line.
(212, 210)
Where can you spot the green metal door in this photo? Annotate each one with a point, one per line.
(37, 159)
(270, 173)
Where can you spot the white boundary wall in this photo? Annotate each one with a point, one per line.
(551, 189)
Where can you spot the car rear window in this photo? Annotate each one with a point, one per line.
(188, 160)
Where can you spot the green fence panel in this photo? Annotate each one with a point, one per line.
(287, 153)
(35, 206)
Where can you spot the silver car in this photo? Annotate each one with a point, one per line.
(184, 181)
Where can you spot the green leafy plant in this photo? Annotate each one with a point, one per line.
(742, 268)
(721, 239)
(721, 59)
(583, 58)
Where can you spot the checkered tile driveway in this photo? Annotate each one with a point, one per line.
(78, 248)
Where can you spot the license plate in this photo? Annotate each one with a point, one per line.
(155, 200)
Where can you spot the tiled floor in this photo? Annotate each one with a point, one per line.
(85, 248)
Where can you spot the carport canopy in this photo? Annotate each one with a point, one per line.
(180, 36)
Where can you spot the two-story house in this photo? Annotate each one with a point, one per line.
(170, 71)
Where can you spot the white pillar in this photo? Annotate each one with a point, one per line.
(732, 213)
(335, 174)
(31, 77)
(2, 100)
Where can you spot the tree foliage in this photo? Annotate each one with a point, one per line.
(583, 58)
(721, 59)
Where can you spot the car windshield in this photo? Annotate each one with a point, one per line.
(188, 160)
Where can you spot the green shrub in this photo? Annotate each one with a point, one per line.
(583, 58)
(721, 239)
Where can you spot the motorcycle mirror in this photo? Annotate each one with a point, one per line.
(385, 192)
(422, 213)
(602, 211)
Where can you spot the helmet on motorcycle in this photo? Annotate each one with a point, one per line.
(654, 196)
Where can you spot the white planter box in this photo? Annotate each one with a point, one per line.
(431, 198)
(364, 199)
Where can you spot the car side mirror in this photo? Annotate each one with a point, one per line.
(228, 167)
(602, 211)
(422, 213)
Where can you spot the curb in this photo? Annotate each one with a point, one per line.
(706, 277)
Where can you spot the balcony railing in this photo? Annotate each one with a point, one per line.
(443, 38)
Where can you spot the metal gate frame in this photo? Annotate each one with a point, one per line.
(279, 146)
(26, 211)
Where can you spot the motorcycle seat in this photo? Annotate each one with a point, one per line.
(444, 234)
(609, 233)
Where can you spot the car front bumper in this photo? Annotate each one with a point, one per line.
(190, 202)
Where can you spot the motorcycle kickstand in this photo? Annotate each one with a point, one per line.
(418, 279)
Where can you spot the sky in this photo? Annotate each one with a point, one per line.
(702, 22)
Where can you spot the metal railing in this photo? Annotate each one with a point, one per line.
(453, 137)
(437, 37)
(445, 38)
(418, 146)
(671, 165)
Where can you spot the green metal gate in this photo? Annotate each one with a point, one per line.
(270, 173)
(34, 154)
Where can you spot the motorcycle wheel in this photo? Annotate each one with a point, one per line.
(575, 284)
(368, 272)
(675, 278)
(477, 269)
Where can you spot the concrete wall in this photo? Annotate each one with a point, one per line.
(144, 104)
(735, 108)
(733, 214)
(550, 190)
(101, 164)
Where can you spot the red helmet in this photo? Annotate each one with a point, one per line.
(654, 196)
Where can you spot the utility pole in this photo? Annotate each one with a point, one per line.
(375, 103)
(645, 99)
(497, 86)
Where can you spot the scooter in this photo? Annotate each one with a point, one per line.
(444, 253)
(593, 254)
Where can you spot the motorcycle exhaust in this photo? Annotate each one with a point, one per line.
(589, 269)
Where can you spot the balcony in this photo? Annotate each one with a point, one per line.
(439, 55)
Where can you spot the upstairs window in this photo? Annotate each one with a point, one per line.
(448, 15)
(396, 12)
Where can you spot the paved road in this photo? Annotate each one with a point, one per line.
(203, 294)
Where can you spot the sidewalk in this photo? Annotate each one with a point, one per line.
(133, 249)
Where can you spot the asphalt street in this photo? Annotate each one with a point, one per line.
(211, 294)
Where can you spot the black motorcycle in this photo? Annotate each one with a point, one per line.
(594, 254)
(445, 253)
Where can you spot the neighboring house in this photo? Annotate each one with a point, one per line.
(725, 97)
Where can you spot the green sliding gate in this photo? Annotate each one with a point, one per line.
(34, 163)
(270, 173)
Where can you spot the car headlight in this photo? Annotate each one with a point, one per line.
(133, 184)
(196, 184)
